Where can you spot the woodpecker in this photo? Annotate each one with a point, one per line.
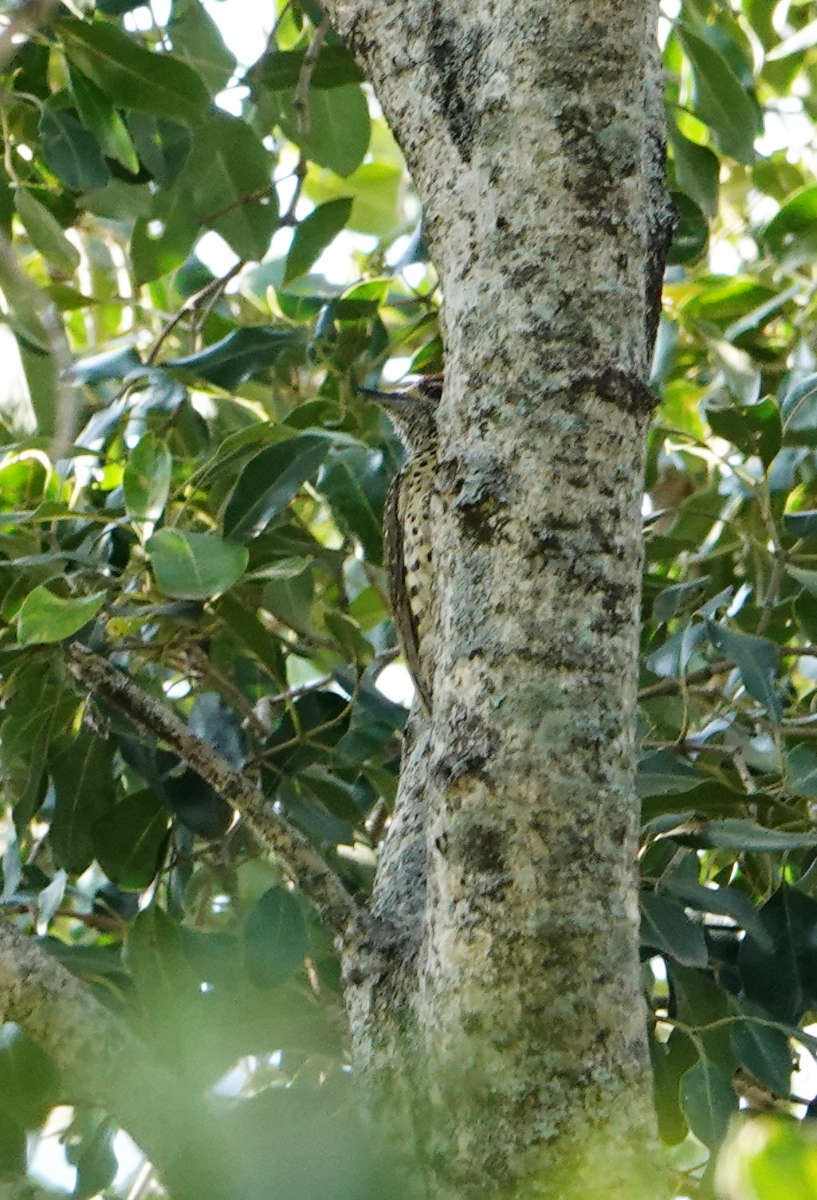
(407, 533)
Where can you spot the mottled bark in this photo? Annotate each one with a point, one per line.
(532, 135)
(494, 989)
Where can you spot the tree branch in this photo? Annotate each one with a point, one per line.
(305, 866)
(103, 1062)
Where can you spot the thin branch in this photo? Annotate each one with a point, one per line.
(300, 99)
(670, 687)
(190, 304)
(305, 866)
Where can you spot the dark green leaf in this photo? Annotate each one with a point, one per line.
(269, 481)
(192, 799)
(801, 524)
(696, 171)
(101, 118)
(162, 145)
(720, 99)
(801, 772)
(281, 70)
(132, 76)
(229, 172)
(666, 928)
(778, 959)
(314, 234)
(275, 938)
(194, 566)
(756, 658)
(129, 839)
(799, 409)
(72, 153)
(96, 1162)
(735, 833)
(240, 355)
(663, 773)
(753, 428)
(673, 599)
(764, 1052)
(84, 794)
(691, 233)
(708, 1101)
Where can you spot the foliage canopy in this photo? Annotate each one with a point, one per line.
(192, 485)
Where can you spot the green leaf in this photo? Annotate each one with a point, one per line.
(162, 243)
(132, 76)
(791, 235)
(691, 233)
(354, 482)
(314, 234)
(281, 69)
(719, 98)
(683, 884)
(801, 772)
(146, 478)
(662, 773)
(802, 524)
(735, 833)
(753, 428)
(197, 40)
(101, 118)
(339, 127)
(44, 617)
(72, 153)
(28, 1077)
(194, 566)
(163, 146)
(229, 172)
(96, 1162)
(13, 1155)
(269, 481)
(708, 1101)
(799, 409)
(45, 233)
(240, 355)
(756, 658)
(665, 927)
(764, 1052)
(275, 938)
(673, 599)
(129, 840)
(778, 959)
(82, 773)
(696, 171)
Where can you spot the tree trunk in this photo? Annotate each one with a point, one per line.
(513, 1010)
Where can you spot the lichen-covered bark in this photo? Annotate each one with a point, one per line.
(531, 132)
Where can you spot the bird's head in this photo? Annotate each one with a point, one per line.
(413, 411)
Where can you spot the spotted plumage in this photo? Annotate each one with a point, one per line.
(407, 530)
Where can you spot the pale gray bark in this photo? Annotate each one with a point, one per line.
(531, 133)
(494, 991)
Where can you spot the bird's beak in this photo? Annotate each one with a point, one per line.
(393, 399)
